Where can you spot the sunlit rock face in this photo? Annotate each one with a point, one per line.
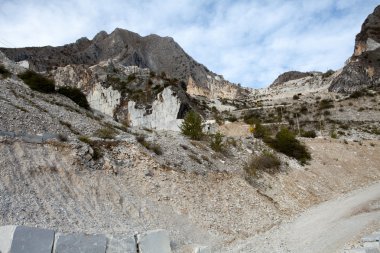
(362, 70)
(161, 115)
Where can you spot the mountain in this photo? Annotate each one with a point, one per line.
(363, 68)
(159, 54)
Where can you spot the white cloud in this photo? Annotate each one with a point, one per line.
(249, 42)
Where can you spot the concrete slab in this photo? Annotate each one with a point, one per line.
(155, 241)
(120, 244)
(6, 237)
(32, 240)
(80, 243)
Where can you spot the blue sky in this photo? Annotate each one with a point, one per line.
(249, 42)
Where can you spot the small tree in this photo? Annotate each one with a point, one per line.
(217, 142)
(192, 126)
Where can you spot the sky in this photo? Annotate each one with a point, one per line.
(249, 42)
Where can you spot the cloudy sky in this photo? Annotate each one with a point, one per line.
(248, 41)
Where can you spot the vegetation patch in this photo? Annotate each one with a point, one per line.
(266, 162)
(217, 142)
(4, 72)
(326, 104)
(106, 133)
(192, 125)
(37, 82)
(75, 95)
(309, 134)
(149, 145)
(286, 143)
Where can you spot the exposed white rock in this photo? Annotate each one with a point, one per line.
(372, 44)
(161, 116)
(155, 241)
(103, 99)
(24, 64)
(6, 237)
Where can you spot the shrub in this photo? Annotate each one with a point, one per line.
(326, 104)
(286, 143)
(62, 137)
(266, 162)
(148, 145)
(4, 72)
(357, 94)
(106, 133)
(328, 73)
(308, 134)
(37, 81)
(75, 95)
(232, 118)
(97, 151)
(260, 131)
(296, 97)
(217, 142)
(192, 126)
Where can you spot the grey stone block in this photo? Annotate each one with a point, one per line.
(80, 243)
(119, 244)
(32, 240)
(155, 241)
(6, 237)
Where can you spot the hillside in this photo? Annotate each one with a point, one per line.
(91, 143)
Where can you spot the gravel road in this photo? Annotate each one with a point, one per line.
(326, 228)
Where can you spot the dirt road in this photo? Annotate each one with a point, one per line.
(325, 228)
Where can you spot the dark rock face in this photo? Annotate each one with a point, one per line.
(288, 76)
(159, 54)
(363, 68)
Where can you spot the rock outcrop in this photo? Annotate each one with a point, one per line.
(160, 54)
(288, 76)
(363, 68)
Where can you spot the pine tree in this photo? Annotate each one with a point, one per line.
(192, 126)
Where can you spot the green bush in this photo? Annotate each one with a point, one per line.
(192, 126)
(217, 142)
(286, 143)
(260, 131)
(106, 133)
(309, 134)
(37, 82)
(266, 162)
(75, 95)
(4, 72)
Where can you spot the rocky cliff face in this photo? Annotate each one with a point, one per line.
(159, 54)
(129, 94)
(363, 68)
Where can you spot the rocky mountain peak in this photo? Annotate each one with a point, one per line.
(159, 54)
